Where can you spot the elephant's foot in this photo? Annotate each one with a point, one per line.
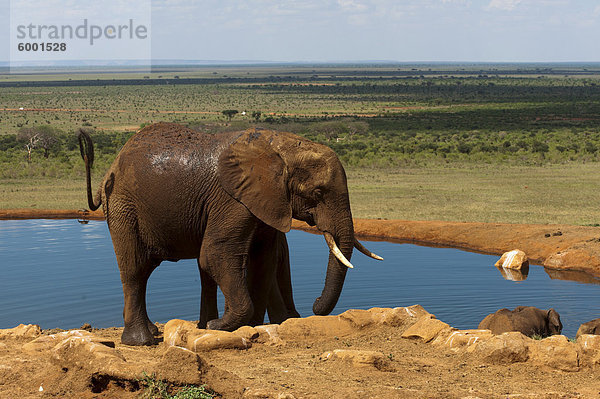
(293, 314)
(152, 328)
(220, 324)
(137, 336)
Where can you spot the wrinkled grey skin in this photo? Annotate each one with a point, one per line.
(590, 327)
(525, 319)
(173, 193)
(266, 252)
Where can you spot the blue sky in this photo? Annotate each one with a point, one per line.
(337, 30)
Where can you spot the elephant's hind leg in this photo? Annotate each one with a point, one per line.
(135, 267)
(208, 299)
(262, 262)
(151, 326)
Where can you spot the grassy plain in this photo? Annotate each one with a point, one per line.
(487, 193)
(492, 143)
(565, 194)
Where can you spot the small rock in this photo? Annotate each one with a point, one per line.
(269, 334)
(427, 328)
(215, 339)
(590, 327)
(589, 342)
(180, 366)
(176, 332)
(555, 352)
(359, 318)
(589, 347)
(575, 255)
(47, 342)
(247, 332)
(262, 393)
(464, 339)
(185, 334)
(22, 331)
(515, 259)
(545, 395)
(86, 327)
(96, 358)
(510, 347)
(315, 327)
(398, 317)
(360, 358)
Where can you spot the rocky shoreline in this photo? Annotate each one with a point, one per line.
(402, 352)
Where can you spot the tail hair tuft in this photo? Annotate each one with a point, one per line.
(86, 146)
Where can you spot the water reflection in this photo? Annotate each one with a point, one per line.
(514, 274)
(572, 275)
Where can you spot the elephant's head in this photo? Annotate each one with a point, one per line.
(278, 176)
(553, 320)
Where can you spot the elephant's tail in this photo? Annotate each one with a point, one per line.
(86, 147)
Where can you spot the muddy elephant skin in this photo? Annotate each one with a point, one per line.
(526, 319)
(173, 193)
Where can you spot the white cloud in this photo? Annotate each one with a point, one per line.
(352, 5)
(507, 5)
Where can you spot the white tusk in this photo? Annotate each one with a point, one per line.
(336, 251)
(365, 251)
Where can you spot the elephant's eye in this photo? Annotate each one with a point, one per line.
(318, 194)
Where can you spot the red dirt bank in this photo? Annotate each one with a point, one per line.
(562, 247)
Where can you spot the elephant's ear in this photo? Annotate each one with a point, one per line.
(554, 318)
(254, 174)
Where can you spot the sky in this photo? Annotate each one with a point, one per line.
(360, 30)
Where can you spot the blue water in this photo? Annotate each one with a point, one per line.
(59, 273)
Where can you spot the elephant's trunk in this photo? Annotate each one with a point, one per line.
(336, 271)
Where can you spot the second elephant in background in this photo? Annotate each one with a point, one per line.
(528, 320)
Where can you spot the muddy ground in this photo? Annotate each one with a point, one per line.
(267, 370)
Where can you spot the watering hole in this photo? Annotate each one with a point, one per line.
(59, 273)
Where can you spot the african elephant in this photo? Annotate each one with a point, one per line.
(173, 193)
(525, 319)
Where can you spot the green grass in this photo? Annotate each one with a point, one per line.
(158, 389)
(482, 193)
(43, 193)
(565, 194)
(490, 143)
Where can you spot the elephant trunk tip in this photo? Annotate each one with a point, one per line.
(320, 308)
